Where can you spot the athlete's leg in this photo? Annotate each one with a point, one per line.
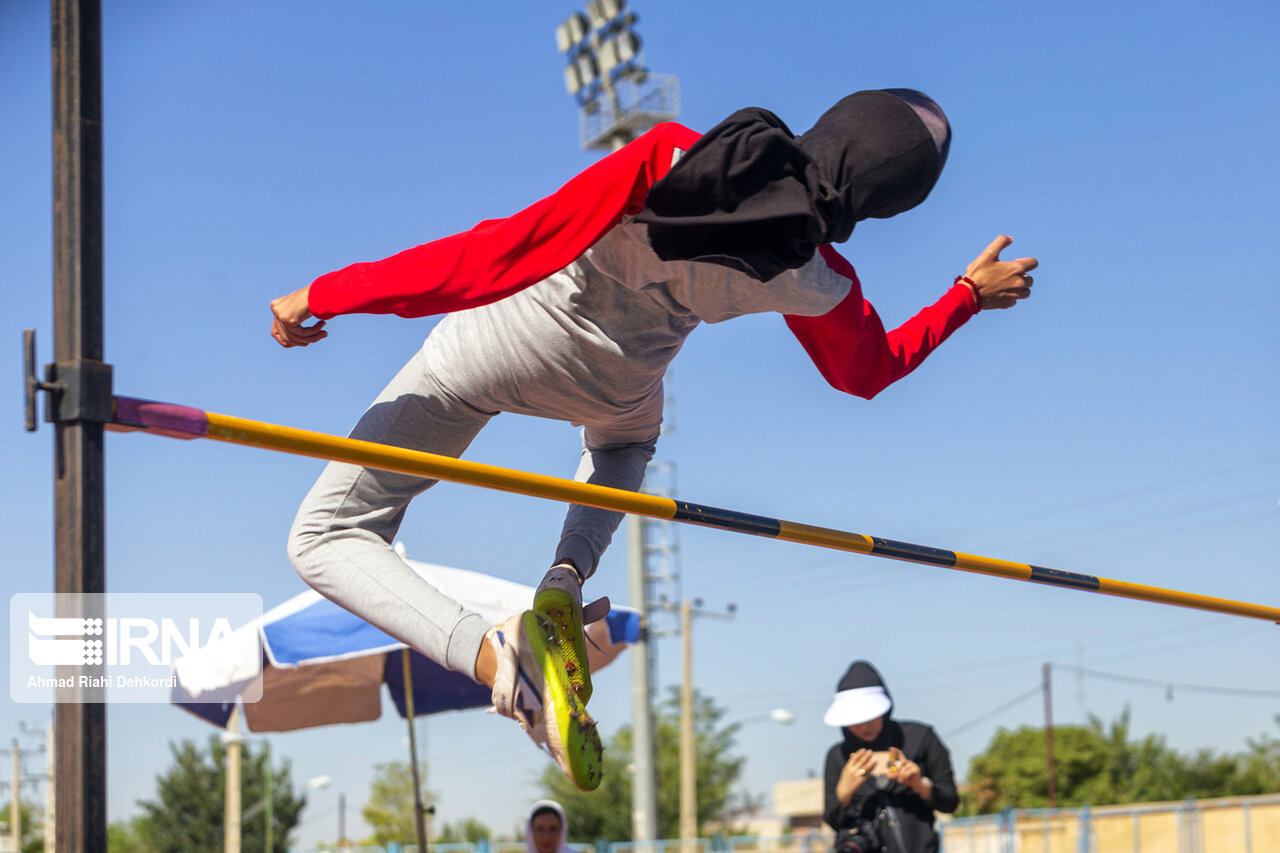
(341, 539)
(613, 455)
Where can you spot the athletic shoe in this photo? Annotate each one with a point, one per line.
(559, 601)
(532, 687)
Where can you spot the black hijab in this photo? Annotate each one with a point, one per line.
(751, 195)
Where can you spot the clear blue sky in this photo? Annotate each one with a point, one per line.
(1122, 422)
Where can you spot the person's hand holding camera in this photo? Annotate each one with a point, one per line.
(855, 772)
(906, 771)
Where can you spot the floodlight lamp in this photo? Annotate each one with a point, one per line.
(571, 81)
(610, 55)
(628, 46)
(603, 11)
(595, 10)
(571, 32)
(586, 69)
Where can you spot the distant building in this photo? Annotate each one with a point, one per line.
(799, 805)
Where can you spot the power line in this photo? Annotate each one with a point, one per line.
(1095, 545)
(1094, 500)
(1076, 533)
(1021, 697)
(1112, 676)
(1169, 685)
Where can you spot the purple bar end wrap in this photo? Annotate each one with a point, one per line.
(166, 418)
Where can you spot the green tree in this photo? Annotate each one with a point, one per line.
(1099, 765)
(1258, 769)
(468, 829)
(606, 812)
(32, 826)
(390, 807)
(187, 814)
(1091, 765)
(129, 836)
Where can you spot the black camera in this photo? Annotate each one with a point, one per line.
(864, 838)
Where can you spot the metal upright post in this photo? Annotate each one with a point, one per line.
(644, 800)
(80, 402)
(419, 813)
(342, 821)
(50, 807)
(1049, 762)
(231, 820)
(269, 796)
(688, 741)
(15, 804)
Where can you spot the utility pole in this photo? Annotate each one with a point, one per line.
(644, 800)
(15, 803)
(50, 801)
(19, 779)
(268, 787)
(688, 745)
(688, 722)
(231, 820)
(1048, 737)
(79, 404)
(643, 576)
(342, 821)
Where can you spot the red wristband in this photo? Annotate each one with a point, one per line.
(976, 301)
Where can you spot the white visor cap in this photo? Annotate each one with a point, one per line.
(860, 705)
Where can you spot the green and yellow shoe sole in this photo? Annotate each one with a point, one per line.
(565, 618)
(571, 733)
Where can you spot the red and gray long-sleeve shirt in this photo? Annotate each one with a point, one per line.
(571, 315)
(573, 231)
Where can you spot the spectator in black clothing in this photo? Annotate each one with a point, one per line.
(886, 778)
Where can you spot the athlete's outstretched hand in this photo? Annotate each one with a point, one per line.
(997, 283)
(291, 312)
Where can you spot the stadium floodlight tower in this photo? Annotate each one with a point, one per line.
(619, 97)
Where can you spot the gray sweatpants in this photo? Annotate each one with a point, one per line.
(341, 539)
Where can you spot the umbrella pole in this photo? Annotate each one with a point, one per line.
(419, 813)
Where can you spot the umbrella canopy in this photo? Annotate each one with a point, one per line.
(317, 664)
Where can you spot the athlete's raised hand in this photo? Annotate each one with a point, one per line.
(291, 312)
(997, 283)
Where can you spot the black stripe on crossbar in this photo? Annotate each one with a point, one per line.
(915, 553)
(710, 516)
(1057, 577)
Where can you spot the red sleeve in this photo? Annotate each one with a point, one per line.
(851, 348)
(499, 257)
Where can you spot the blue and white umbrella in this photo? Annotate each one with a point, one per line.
(317, 664)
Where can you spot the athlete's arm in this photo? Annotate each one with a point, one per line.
(497, 257)
(855, 354)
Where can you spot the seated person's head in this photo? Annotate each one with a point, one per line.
(546, 829)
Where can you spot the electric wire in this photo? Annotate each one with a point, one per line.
(1166, 685)
(1094, 500)
(1021, 697)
